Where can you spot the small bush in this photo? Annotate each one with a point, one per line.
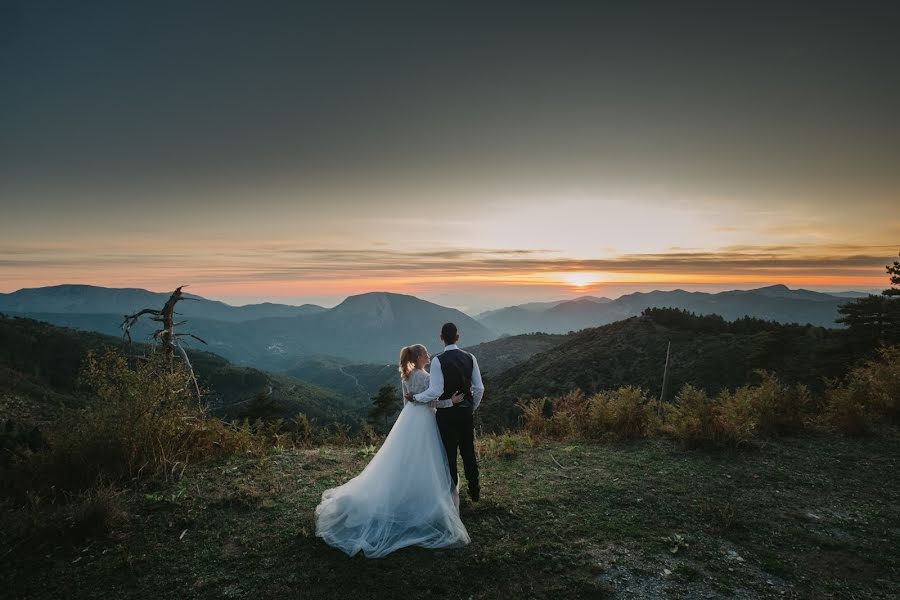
(848, 408)
(694, 419)
(505, 445)
(737, 418)
(869, 394)
(140, 421)
(625, 413)
(301, 430)
(336, 434)
(96, 512)
(881, 377)
(777, 409)
(559, 418)
(535, 415)
(370, 436)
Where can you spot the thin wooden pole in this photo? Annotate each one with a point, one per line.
(662, 394)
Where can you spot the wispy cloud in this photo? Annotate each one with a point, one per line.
(279, 263)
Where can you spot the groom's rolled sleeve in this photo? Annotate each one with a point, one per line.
(436, 387)
(477, 385)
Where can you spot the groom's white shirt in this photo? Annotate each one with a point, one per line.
(436, 388)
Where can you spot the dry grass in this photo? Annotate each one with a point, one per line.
(867, 397)
(625, 413)
(504, 445)
(139, 421)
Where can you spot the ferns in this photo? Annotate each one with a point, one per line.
(621, 414)
(870, 394)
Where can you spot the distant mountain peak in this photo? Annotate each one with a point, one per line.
(588, 299)
(778, 287)
(72, 299)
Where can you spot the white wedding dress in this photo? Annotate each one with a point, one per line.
(403, 496)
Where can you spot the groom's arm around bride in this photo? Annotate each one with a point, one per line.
(436, 387)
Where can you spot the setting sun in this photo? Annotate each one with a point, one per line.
(581, 279)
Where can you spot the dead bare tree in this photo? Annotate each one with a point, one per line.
(168, 338)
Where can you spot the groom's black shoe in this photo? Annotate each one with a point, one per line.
(474, 492)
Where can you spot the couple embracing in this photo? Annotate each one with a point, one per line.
(408, 494)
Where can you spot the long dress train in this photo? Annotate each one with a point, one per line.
(402, 498)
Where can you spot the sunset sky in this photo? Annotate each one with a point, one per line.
(477, 157)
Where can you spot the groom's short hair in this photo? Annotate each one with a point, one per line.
(449, 333)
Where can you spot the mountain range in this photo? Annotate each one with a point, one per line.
(368, 327)
(775, 303)
(89, 299)
(371, 328)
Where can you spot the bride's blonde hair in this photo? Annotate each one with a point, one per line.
(409, 357)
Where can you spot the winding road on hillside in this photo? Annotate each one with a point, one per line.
(355, 380)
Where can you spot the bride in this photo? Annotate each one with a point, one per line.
(403, 497)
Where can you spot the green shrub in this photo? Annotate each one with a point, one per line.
(534, 420)
(95, 512)
(881, 377)
(869, 394)
(848, 408)
(505, 445)
(558, 418)
(141, 420)
(621, 414)
(777, 408)
(694, 418)
(301, 430)
(736, 418)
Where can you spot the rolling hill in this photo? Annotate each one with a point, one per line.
(361, 381)
(498, 355)
(774, 303)
(707, 351)
(40, 364)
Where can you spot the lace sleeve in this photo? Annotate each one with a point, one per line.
(418, 381)
(421, 381)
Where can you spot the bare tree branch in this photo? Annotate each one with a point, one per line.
(191, 335)
(166, 335)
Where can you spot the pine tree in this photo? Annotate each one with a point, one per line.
(894, 272)
(868, 317)
(875, 319)
(385, 404)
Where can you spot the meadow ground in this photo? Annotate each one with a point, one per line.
(809, 517)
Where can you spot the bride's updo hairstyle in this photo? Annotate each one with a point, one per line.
(409, 357)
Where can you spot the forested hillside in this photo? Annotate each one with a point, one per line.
(707, 352)
(40, 364)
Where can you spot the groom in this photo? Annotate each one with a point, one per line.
(456, 370)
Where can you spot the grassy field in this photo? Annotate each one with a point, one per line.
(810, 517)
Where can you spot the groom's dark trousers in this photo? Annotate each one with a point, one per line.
(458, 431)
(455, 423)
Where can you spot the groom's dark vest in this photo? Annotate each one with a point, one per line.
(457, 367)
